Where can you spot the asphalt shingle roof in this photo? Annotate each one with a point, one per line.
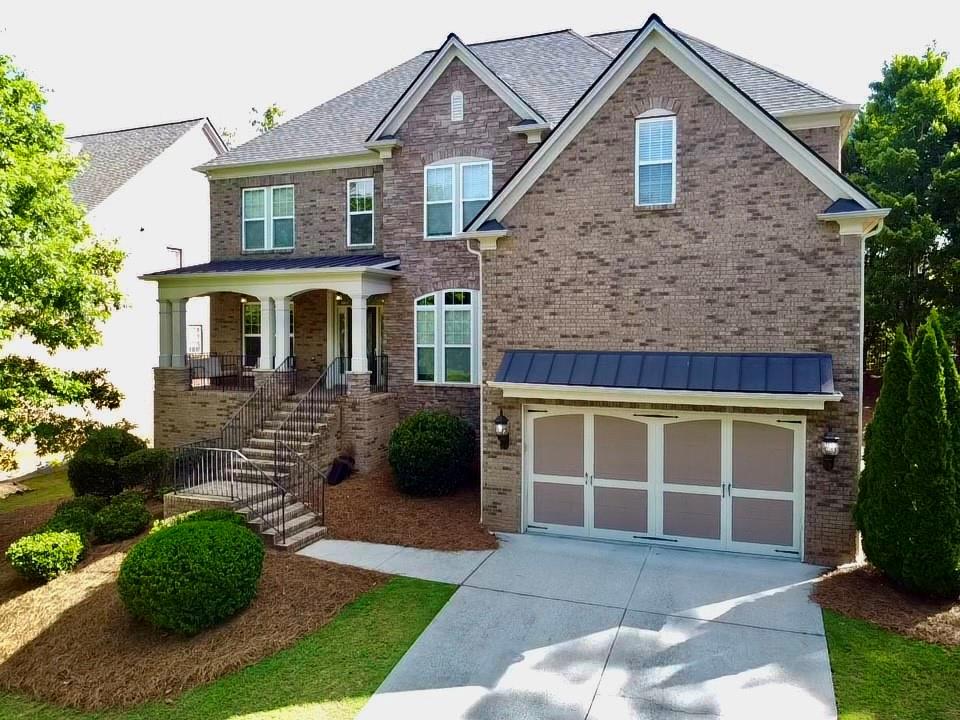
(790, 373)
(116, 156)
(314, 262)
(549, 71)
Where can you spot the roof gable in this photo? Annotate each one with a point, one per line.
(452, 49)
(656, 35)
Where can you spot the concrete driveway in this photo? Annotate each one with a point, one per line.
(555, 628)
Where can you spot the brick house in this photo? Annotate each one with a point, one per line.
(634, 248)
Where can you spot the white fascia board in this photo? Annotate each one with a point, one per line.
(366, 158)
(581, 393)
(452, 48)
(656, 36)
(856, 222)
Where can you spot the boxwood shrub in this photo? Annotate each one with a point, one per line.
(145, 469)
(192, 575)
(46, 554)
(76, 515)
(94, 468)
(431, 453)
(211, 515)
(125, 517)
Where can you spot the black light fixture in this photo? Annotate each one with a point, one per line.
(501, 427)
(829, 448)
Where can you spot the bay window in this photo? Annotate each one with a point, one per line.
(268, 218)
(446, 332)
(454, 193)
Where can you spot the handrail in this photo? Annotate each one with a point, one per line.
(304, 479)
(213, 471)
(260, 406)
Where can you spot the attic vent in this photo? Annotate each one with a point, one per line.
(456, 106)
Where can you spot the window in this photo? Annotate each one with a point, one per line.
(454, 194)
(446, 337)
(268, 218)
(360, 212)
(656, 156)
(456, 106)
(251, 334)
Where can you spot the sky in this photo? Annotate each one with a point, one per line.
(110, 65)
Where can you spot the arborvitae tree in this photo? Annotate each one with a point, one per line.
(929, 502)
(951, 385)
(879, 505)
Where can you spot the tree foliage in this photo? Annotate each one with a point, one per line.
(267, 120)
(57, 282)
(905, 151)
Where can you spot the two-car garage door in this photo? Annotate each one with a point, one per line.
(727, 482)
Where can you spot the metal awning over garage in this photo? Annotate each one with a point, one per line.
(780, 380)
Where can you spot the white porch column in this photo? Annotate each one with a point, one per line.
(178, 333)
(266, 333)
(165, 333)
(358, 360)
(282, 343)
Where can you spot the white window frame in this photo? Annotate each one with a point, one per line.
(371, 212)
(456, 165)
(243, 329)
(439, 346)
(485, 200)
(660, 116)
(268, 218)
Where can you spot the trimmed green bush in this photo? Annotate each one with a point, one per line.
(191, 576)
(879, 504)
(94, 468)
(431, 453)
(145, 468)
(76, 515)
(125, 517)
(45, 555)
(929, 510)
(211, 515)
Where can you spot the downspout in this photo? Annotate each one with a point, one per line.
(480, 363)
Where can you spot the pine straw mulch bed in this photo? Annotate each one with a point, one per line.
(71, 642)
(13, 526)
(861, 592)
(370, 508)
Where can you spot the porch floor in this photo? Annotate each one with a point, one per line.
(221, 490)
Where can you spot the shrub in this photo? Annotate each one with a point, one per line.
(76, 515)
(145, 468)
(879, 505)
(191, 576)
(46, 554)
(94, 469)
(211, 515)
(124, 517)
(430, 453)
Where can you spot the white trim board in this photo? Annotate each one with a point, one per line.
(584, 393)
(452, 49)
(656, 35)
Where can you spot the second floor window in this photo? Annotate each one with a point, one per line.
(360, 212)
(656, 160)
(268, 218)
(453, 195)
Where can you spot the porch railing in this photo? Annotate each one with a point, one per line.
(213, 371)
(292, 469)
(252, 416)
(200, 468)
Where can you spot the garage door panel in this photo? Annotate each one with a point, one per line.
(690, 515)
(620, 509)
(762, 456)
(761, 520)
(619, 448)
(691, 453)
(558, 445)
(558, 504)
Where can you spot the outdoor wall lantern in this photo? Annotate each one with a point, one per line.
(829, 448)
(501, 427)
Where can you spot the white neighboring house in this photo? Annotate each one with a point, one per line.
(139, 187)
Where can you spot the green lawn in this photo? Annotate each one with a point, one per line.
(45, 488)
(878, 675)
(327, 675)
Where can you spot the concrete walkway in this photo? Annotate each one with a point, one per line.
(556, 628)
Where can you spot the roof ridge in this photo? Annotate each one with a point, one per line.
(747, 60)
(592, 43)
(518, 37)
(139, 127)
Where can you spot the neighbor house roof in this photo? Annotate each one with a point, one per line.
(550, 72)
(273, 264)
(116, 156)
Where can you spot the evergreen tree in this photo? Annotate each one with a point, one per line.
(931, 531)
(879, 508)
(951, 386)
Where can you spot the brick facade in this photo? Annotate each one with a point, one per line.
(367, 421)
(824, 141)
(739, 263)
(181, 415)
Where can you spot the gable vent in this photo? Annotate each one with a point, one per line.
(456, 106)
